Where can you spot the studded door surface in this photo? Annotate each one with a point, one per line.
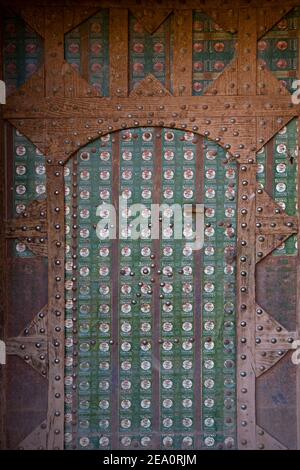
(111, 342)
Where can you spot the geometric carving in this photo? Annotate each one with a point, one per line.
(31, 345)
(273, 226)
(149, 18)
(150, 86)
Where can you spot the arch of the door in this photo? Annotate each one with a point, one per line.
(197, 134)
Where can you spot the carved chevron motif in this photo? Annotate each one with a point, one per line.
(31, 345)
(150, 19)
(150, 86)
(273, 341)
(273, 225)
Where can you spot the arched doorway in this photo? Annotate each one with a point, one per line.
(150, 330)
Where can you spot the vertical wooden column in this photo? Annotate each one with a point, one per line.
(246, 207)
(246, 51)
(118, 52)
(183, 48)
(54, 51)
(245, 317)
(55, 317)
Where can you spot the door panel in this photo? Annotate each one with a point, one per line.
(143, 349)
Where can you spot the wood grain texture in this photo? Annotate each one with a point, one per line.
(56, 305)
(75, 15)
(149, 87)
(36, 439)
(229, 122)
(183, 47)
(267, 17)
(246, 308)
(246, 52)
(241, 111)
(273, 225)
(118, 51)
(150, 18)
(165, 4)
(54, 51)
(266, 441)
(272, 341)
(193, 106)
(226, 18)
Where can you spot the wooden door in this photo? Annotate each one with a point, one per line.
(141, 344)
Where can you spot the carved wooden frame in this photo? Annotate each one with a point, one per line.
(241, 111)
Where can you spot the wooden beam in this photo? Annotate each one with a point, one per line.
(118, 51)
(183, 48)
(56, 305)
(246, 51)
